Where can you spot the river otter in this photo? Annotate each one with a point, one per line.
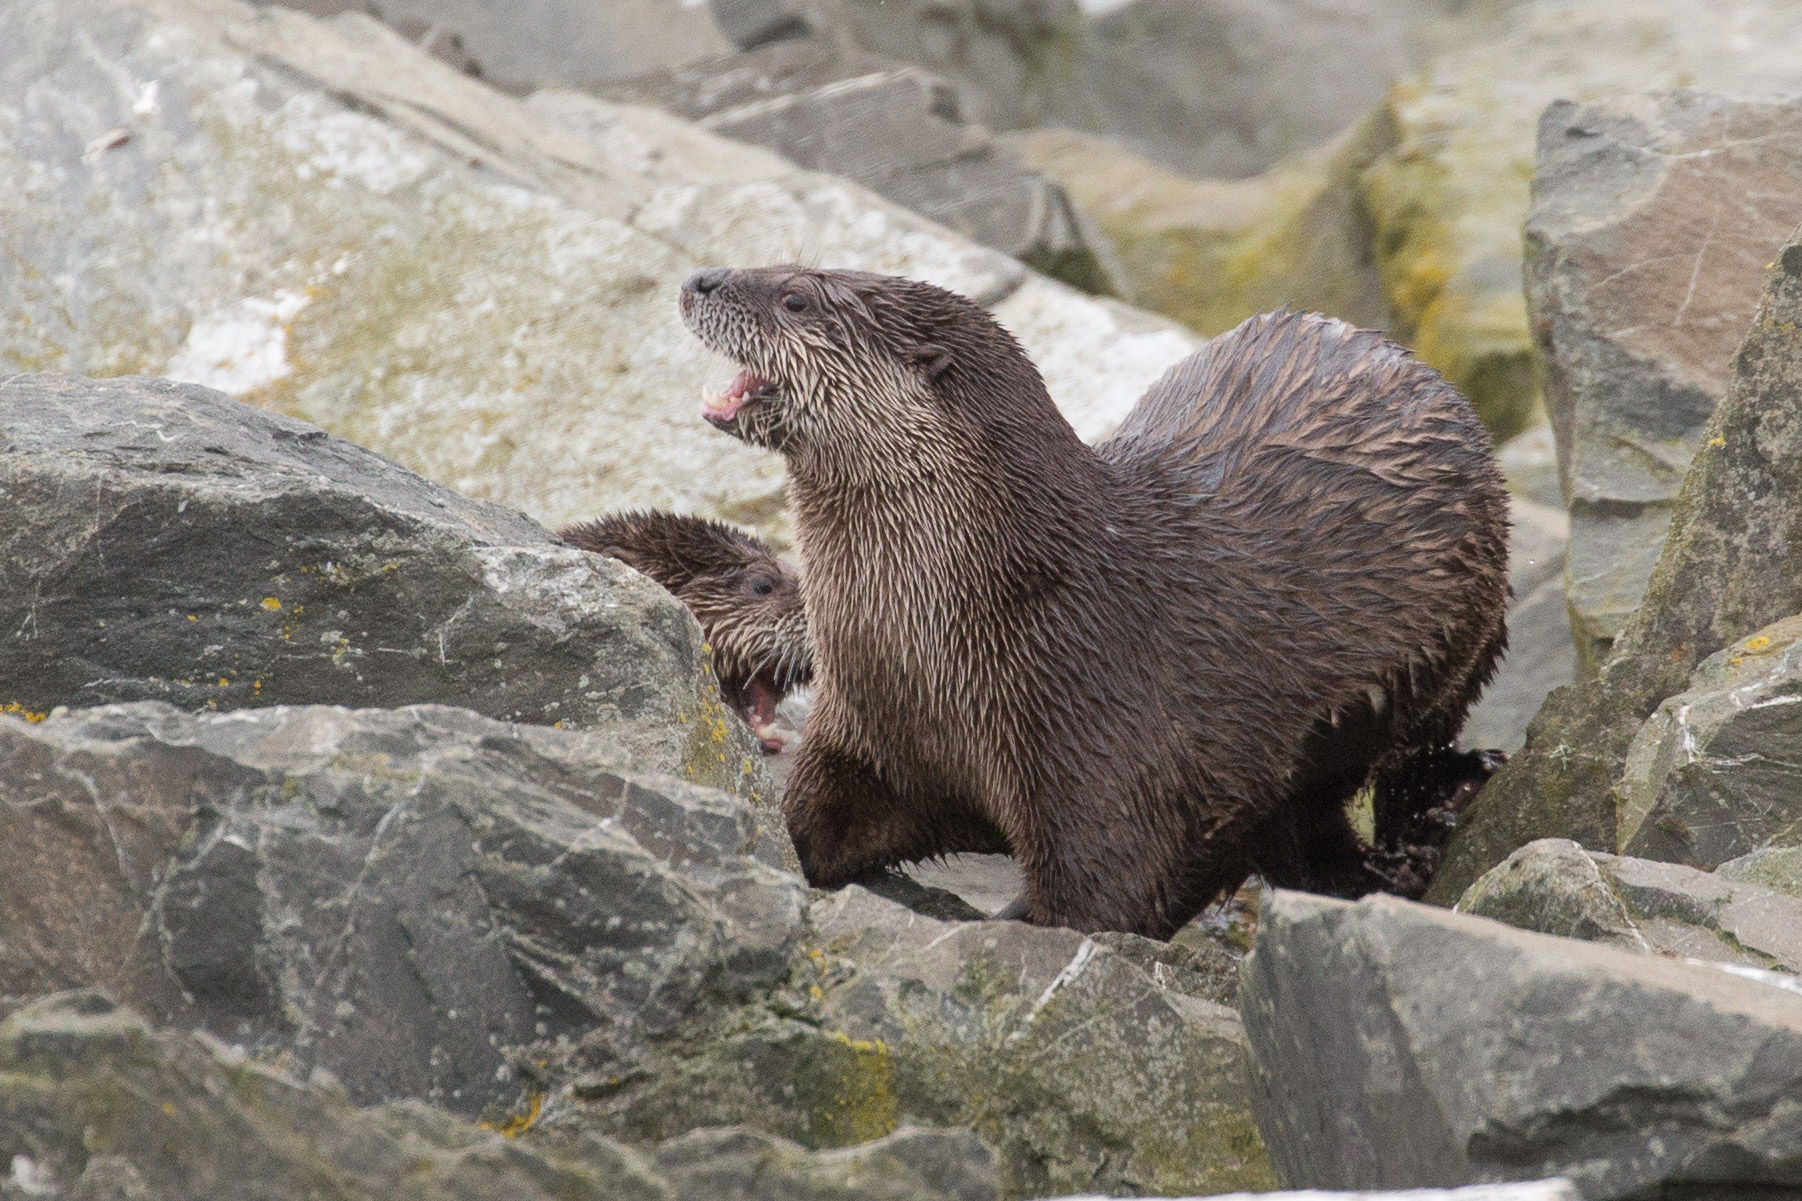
(747, 600)
(1142, 667)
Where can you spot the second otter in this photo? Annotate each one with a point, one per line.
(1143, 667)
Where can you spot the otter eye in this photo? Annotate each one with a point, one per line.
(794, 302)
(762, 587)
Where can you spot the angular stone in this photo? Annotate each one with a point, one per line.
(1716, 771)
(1446, 204)
(1083, 1063)
(1556, 887)
(415, 899)
(1401, 1045)
(163, 541)
(1540, 656)
(1538, 1190)
(1776, 868)
(93, 1104)
(323, 219)
(911, 1164)
(1730, 567)
(1653, 221)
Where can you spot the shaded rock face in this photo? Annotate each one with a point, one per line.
(1556, 887)
(1400, 1045)
(1713, 774)
(163, 541)
(322, 218)
(409, 898)
(1446, 203)
(95, 1105)
(1085, 1062)
(897, 131)
(1654, 220)
(1730, 566)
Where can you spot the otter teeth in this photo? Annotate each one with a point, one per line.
(745, 386)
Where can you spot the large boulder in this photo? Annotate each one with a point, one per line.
(1447, 201)
(165, 542)
(1714, 773)
(1731, 565)
(898, 131)
(1085, 1062)
(96, 1105)
(1537, 1190)
(321, 218)
(1556, 887)
(1653, 221)
(1401, 1045)
(417, 900)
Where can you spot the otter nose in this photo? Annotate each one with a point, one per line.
(703, 282)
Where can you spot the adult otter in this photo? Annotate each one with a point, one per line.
(747, 600)
(1140, 667)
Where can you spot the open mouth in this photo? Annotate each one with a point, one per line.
(745, 387)
(759, 710)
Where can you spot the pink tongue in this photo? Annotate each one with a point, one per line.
(744, 385)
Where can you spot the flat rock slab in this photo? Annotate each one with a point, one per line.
(415, 899)
(162, 541)
(1654, 220)
(1404, 1046)
(1556, 887)
(1538, 1190)
(1716, 771)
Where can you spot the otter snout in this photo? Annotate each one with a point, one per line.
(706, 280)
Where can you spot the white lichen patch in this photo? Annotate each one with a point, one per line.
(240, 348)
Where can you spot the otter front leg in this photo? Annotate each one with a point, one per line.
(846, 822)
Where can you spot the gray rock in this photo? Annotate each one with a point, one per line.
(1776, 868)
(1400, 1045)
(910, 1164)
(1538, 1190)
(320, 217)
(527, 44)
(96, 1106)
(165, 542)
(418, 900)
(896, 131)
(1540, 656)
(1654, 219)
(1731, 565)
(1556, 887)
(1083, 1062)
(1716, 771)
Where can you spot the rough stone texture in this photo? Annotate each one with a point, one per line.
(323, 219)
(1716, 771)
(1448, 201)
(1776, 868)
(1540, 656)
(416, 899)
(1400, 1045)
(95, 1106)
(528, 44)
(1554, 886)
(1538, 1190)
(162, 541)
(1732, 565)
(1653, 221)
(1212, 252)
(1095, 1062)
(896, 131)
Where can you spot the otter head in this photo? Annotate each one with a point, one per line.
(850, 361)
(747, 600)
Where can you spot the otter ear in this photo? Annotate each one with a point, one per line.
(932, 358)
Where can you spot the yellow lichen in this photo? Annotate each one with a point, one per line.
(18, 710)
(271, 604)
(518, 1123)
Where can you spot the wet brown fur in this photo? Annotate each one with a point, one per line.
(1144, 668)
(746, 598)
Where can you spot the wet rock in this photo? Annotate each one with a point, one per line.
(417, 900)
(1556, 887)
(94, 1104)
(1730, 566)
(165, 542)
(898, 132)
(323, 219)
(1654, 219)
(1082, 1063)
(548, 43)
(1400, 1045)
(1714, 772)
(1446, 204)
